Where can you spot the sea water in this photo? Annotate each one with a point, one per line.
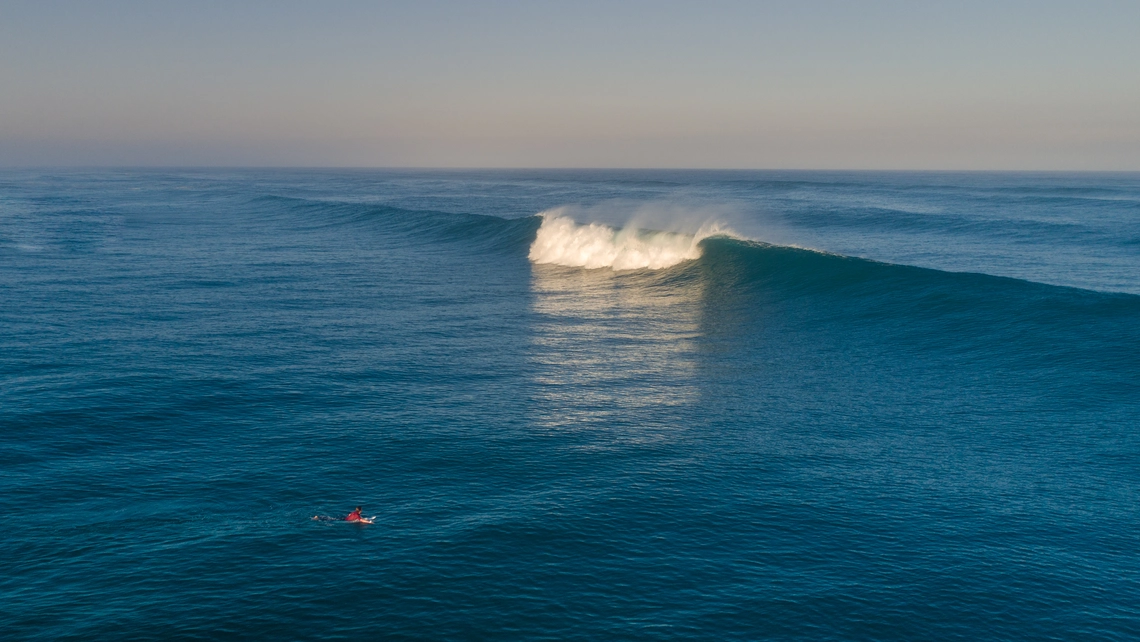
(580, 404)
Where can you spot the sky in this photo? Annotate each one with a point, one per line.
(715, 84)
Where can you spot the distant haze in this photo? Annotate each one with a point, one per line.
(863, 85)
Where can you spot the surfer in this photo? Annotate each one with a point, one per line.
(354, 516)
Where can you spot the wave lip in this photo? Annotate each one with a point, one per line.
(561, 240)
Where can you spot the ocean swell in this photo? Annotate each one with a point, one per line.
(562, 241)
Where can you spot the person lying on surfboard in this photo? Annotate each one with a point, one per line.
(354, 517)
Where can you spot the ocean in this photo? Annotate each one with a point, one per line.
(723, 405)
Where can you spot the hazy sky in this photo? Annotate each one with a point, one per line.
(905, 85)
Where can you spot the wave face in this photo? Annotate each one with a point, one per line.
(562, 241)
(412, 226)
(945, 311)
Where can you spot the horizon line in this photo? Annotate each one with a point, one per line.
(462, 168)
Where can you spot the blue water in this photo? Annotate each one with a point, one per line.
(888, 406)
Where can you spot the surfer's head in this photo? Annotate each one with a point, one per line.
(358, 508)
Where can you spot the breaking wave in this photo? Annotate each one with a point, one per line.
(563, 241)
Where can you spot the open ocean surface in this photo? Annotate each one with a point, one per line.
(807, 405)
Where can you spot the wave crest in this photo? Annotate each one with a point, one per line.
(562, 241)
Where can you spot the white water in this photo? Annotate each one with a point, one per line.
(562, 241)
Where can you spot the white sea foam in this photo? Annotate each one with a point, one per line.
(563, 241)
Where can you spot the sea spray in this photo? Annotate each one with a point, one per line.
(562, 241)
